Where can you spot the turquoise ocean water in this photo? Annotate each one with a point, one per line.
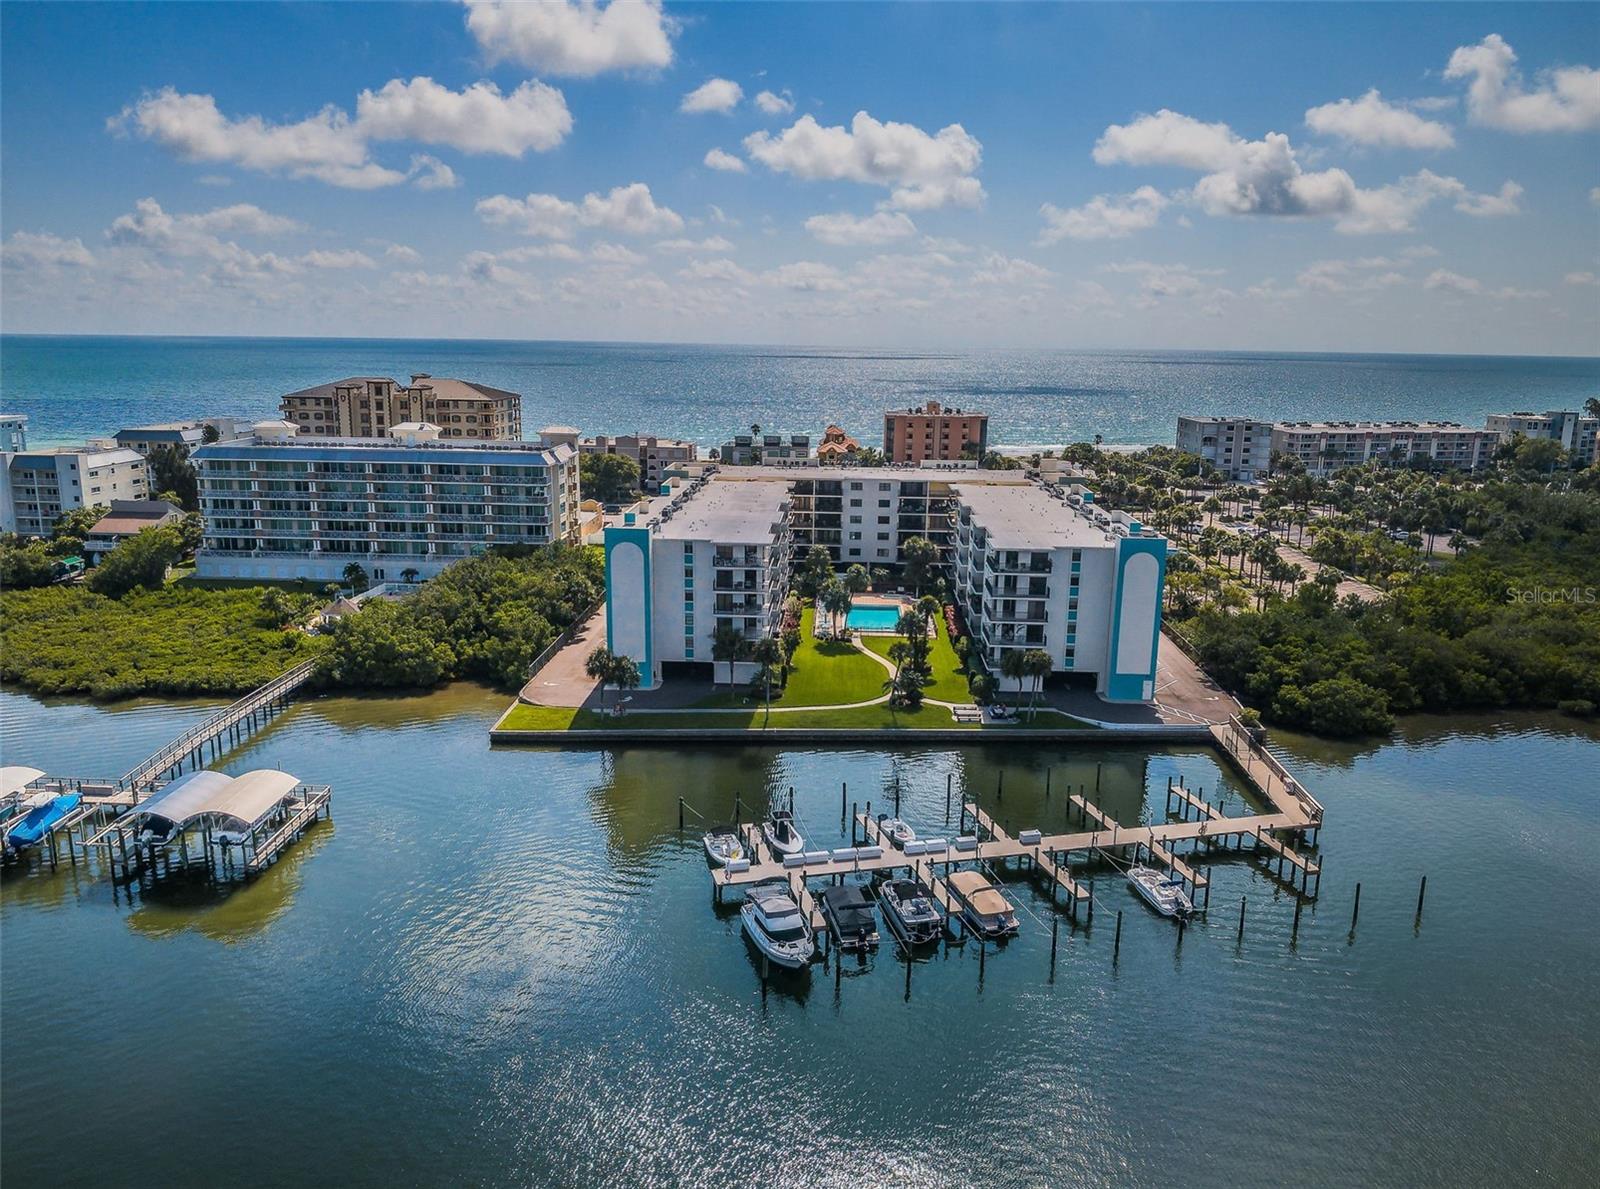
(74, 387)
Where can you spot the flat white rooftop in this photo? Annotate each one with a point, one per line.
(729, 513)
(1028, 517)
(922, 474)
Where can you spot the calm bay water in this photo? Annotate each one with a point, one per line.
(77, 387)
(503, 966)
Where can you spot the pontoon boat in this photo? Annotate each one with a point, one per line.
(850, 918)
(910, 911)
(985, 910)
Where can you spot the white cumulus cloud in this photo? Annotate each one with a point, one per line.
(776, 103)
(727, 162)
(847, 229)
(630, 210)
(1264, 177)
(1371, 120)
(44, 252)
(922, 171)
(1566, 99)
(476, 119)
(340, 258)
(430, 173)
(1103, 217)
(714, 95)
(712, 243)
(334, 148)
(573, 37)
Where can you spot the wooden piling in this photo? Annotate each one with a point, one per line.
(1241, 918)
(1116, 944)
(1421, 892)
(1355, 911)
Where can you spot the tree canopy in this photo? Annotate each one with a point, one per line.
(609, 478)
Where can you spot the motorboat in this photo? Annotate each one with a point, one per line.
(986, 912)
(896, 830)
(34, 825)
(1162, 890)
(723, 845)
(850, 918)
(910, 911)
(775, 925)
(780, 833)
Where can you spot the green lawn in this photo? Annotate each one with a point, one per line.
(829, 672)
(949, 683)
(879, 717)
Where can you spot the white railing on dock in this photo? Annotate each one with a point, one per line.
(281, 685)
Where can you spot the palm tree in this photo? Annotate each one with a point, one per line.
(601, 664)
(356, 575)
(834, 599)
(624, 673)
(857, 579)
(767, 653)
(410, 575)
(1014, 665)
(1036, 664)
(727, 644)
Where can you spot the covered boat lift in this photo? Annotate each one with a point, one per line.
(239, 824)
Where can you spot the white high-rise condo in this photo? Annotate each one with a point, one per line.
(1031, 565)
(403, 507)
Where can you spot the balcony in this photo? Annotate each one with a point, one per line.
(1018, 613)
(1001, 565)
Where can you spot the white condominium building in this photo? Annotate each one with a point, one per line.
(1575, 432)
(39, 485)
(1042, 567)
(1239, 447)
(279, 506)
(713, 553)
(1032, 565)
(1325, 447)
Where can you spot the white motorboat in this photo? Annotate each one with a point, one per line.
(775, 925)
(723, 845)
(780, 833)
(1161, 890)
(896, 831)
(910, 910)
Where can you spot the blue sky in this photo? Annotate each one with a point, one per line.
(1376, 177)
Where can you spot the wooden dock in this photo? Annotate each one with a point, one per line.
(207, 740)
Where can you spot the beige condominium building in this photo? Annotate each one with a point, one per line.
(655, 455)
(370, 406)
(933, 433)
(1325, 447)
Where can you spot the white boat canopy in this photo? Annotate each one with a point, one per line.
(15, 778)
(236, 804)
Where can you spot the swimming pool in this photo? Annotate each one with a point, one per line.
(872, 617)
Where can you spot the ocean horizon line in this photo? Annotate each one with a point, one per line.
(881, 348)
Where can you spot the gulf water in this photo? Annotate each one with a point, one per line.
(72, 388)
(504, 966)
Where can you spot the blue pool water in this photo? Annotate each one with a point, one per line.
(872, 617)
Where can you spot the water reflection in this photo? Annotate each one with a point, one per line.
(227, 911)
